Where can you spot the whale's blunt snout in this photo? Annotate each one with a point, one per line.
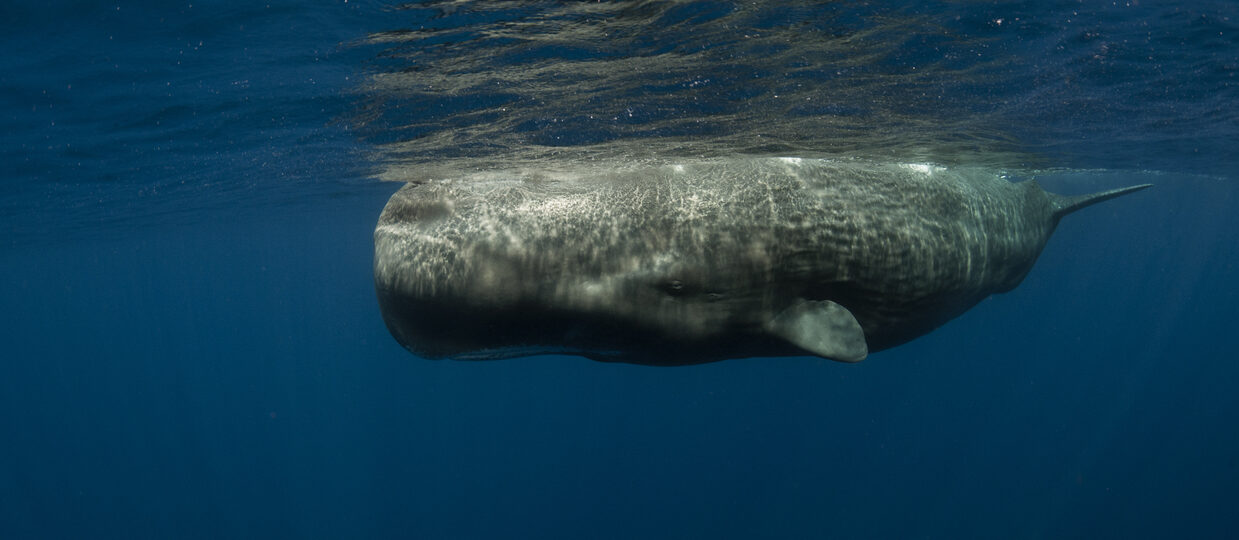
(1064, 205)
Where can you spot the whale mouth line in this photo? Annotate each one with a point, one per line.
(521, 351)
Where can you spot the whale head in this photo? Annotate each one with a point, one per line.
(488, 271)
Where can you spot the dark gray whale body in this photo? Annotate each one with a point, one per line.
(703, 261)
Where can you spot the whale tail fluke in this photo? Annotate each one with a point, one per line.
(1064, 205)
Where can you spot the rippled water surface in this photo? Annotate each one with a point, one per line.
(1064, 85)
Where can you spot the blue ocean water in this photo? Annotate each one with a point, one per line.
(190, 345)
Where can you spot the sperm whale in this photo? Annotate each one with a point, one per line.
(703, 260)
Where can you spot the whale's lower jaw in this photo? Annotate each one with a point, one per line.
(441, 329)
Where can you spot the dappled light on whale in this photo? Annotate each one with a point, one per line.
(698, 261)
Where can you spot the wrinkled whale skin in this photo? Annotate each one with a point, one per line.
(703, 261)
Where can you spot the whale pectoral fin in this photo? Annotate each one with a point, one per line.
(823, 328)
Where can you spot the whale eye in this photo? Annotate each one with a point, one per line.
(676, 288)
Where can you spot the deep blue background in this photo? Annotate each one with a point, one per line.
(190, 347)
